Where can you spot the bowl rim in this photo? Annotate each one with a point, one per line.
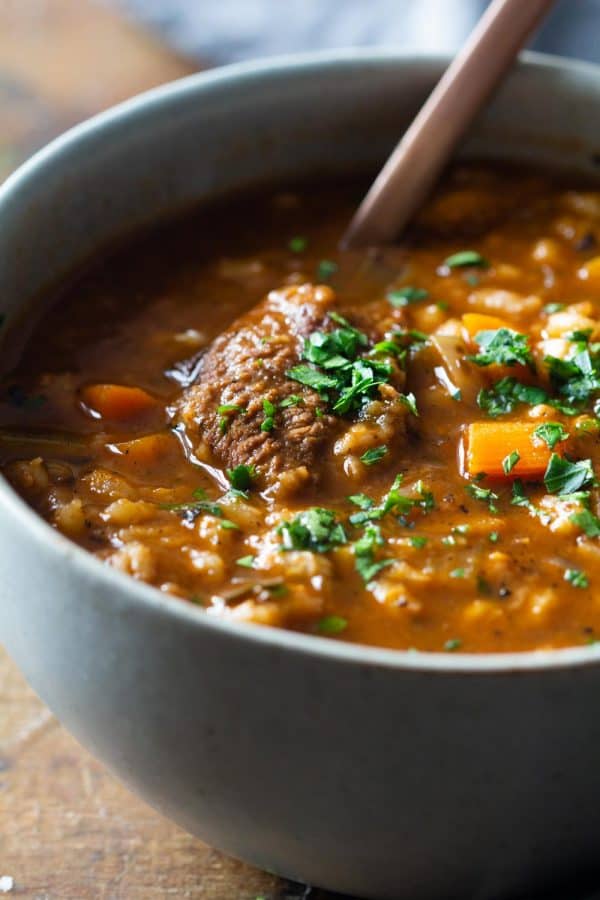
(123, 590)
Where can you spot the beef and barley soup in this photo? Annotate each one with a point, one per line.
(398, 446)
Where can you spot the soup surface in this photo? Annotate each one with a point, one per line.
(396, 446)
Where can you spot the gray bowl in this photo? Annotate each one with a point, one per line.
(377, 773)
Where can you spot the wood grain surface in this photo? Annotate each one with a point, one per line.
(68, 830)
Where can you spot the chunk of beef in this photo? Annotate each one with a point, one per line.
(246, 365)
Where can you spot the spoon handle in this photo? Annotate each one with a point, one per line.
(416, 162)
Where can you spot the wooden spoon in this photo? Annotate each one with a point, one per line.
(409, 174)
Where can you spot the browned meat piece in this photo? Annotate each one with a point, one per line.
(246, 365)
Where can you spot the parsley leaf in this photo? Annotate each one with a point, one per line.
(364, 554)
(565, 477)
(269, 410)
(246, 561)
(372, 456)
(292, 400)
(502, 347)
(326, 269)
(577, 578)
(486, 495)
(298, 244)
(506, 394)
(510, 461)
(332, 624)
(314, 529)
(587, 521)
(241, 477)
(312, 378)
(406, 295)
(466, 258)
(552, 433)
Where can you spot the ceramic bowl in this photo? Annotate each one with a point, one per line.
(377, 773)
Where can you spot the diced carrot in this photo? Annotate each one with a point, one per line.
(476, 322)
(117, 402)
(488, 444)
(144, 454)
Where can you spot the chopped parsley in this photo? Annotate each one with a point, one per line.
(552, 433)
(510, 461)
(332, 624)
(224, 410)
(340, 364)
(418, 542)
(452, 645)
(298, 244)
(410, 401)
(486, 495)
(241, 477)
(326, 269)
(372, 456)
(312, 378)
(395, 503)
(361, 500)
(246, 561)
(502, 347)
(268, 423)
(576, 578)
(551, 308)
(364, 554)
(191, 510)
(466, 258)
(493, 537)
(292, 400)
(406, 296)
(565, 477)
(587, 521)
(457, 573)
(315, 529)
(506, 394)
(575, 379)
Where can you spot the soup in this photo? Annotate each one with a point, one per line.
(396, 446)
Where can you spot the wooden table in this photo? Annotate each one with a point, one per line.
(68, 830)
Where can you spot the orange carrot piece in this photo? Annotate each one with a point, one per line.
(488, 444)
(476, 322)
(147, 452)
(117, 402)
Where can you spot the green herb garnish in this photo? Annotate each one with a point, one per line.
(372, 456)
(315, 529)
(502, 347)
(506, 394)
(246, 561)
(565, 477)
(326, 269)
(510, 461)
(577, 578)
(292, 400)
(485, 495)
(552, 433)
(269, 410)
(587, 521)
(406, 296)
(332, 625)
(466, 258)
(298, 244)
(364, 554)
(241, 477)
(452, 645)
